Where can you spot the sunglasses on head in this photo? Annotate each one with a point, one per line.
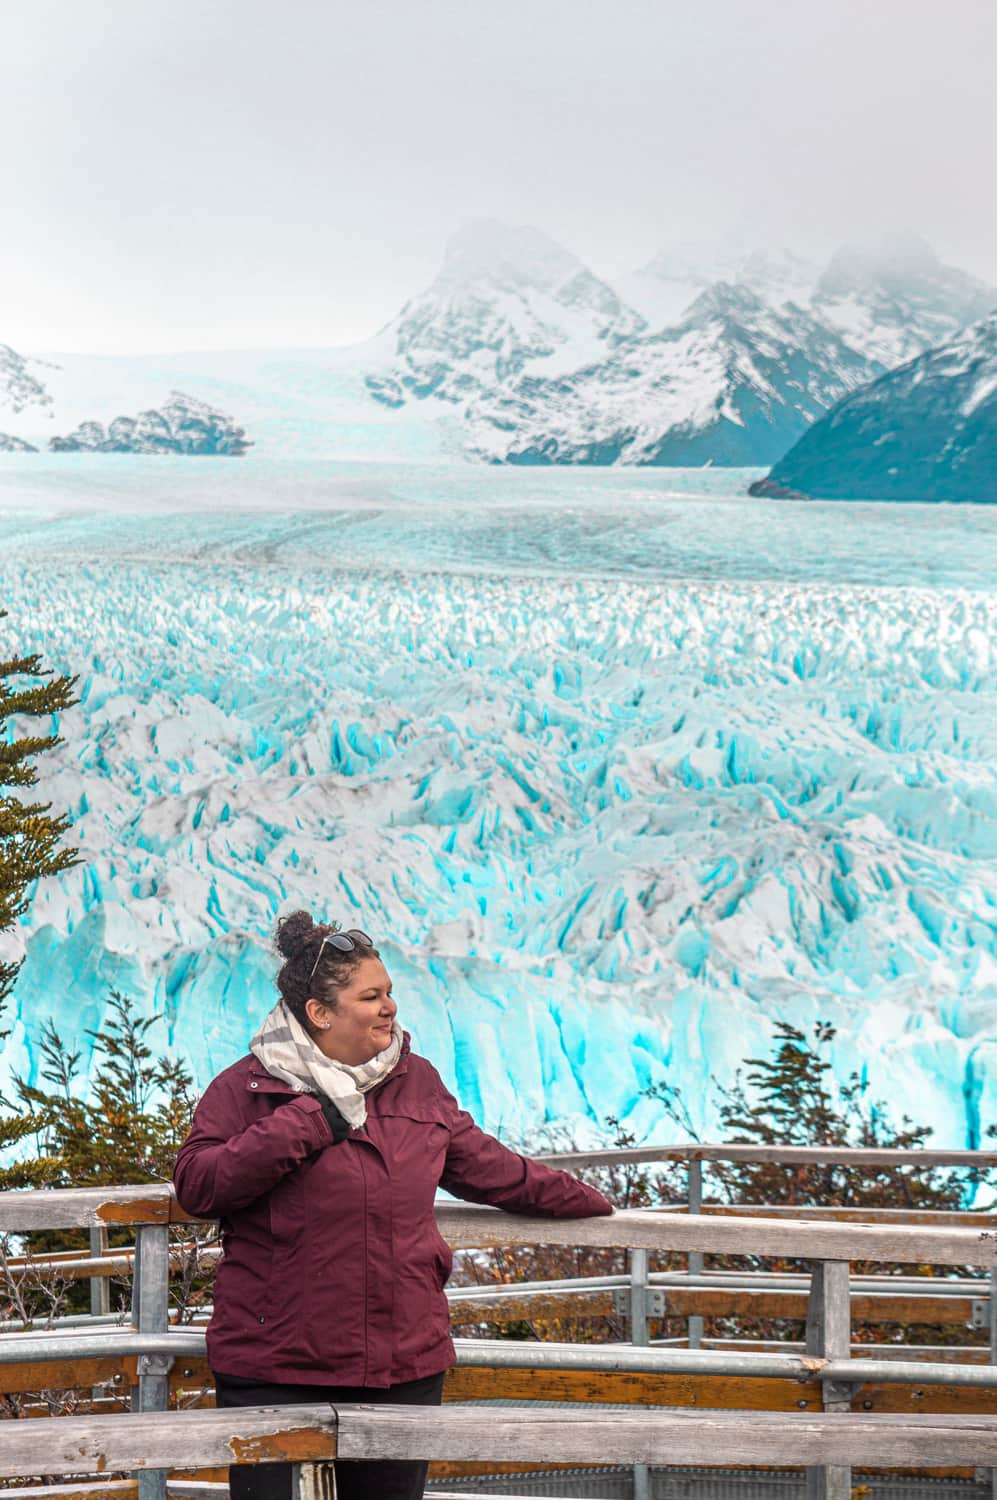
(343, 942)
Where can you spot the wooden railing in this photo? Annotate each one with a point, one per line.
(823, 1384)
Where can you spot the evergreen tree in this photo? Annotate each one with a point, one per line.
(30, 836)
(134, 1117)
(29, 847)
(790, 1098)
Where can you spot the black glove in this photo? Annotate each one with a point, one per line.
(337, 1123)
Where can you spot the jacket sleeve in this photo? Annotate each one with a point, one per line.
(481, 1169)
(224, 1164)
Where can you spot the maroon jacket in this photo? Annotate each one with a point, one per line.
(333, 1268)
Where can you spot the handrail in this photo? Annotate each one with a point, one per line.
(309, 1434)
(845, 1156)
(467, 1226)
(89, 1207)
(830, 1246)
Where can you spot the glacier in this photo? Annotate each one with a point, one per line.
(618, 768)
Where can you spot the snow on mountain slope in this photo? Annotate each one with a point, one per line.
(22, 383)
(927, 431)
(518, 353)
(734, 383)
(506, 301)
(893, 300)
(511, 368)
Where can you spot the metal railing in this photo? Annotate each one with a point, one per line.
(826, 1361)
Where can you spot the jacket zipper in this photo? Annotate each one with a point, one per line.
(366, 1322)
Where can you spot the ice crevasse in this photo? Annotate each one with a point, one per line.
(605, 833)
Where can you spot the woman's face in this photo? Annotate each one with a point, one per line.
(360, 1026)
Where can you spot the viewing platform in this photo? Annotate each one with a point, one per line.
(656, 1415)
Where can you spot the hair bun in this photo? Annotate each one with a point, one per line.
(293, 932)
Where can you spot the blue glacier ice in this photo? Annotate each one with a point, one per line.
(618, 768)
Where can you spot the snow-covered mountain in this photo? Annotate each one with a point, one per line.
(507, 301)
(894, 300)
(181, 425)
(927, 431)
(736, 379)
(518, 353)
(521, 356)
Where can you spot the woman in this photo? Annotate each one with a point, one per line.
(321, 1153)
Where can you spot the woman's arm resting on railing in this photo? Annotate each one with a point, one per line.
(481, 1169)
(225, 1163)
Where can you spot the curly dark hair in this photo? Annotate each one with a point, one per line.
(298, 940)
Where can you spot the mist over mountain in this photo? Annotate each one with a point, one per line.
(505, 300)
(727, 362)
(519, 353)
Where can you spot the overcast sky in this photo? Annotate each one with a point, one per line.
(238, 173)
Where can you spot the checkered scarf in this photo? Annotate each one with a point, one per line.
(286, 1050)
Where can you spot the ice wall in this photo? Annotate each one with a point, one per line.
(604, 830)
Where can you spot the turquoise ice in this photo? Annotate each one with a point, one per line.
(618, 769)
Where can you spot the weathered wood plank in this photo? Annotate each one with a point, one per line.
(72, 1266)
(66, 1374)
(470, 1383)
(790, 1155)
(466, 1226)
(657, 1437)
(166, 1440)
(867, 1307)
(479, 1383)
(731, 1392)
(847, 1215)
(109, 1489)
(84, 1208)
(454, 1433)
(594, 1304)
(718, 1302)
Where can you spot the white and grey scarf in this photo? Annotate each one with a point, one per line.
(286, 1050)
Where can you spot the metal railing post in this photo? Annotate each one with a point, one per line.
(993, 1356)
(150, 1314)
(100, 1286)
(694, 1325)
(639, 1336)
(829, 1334)
(313, 1482)
(638, 1298)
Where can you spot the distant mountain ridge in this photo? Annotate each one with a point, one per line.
(517, 353)
(927, 431)
(181, 425)
(494, 349)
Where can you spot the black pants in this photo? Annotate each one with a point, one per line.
(374, 1480)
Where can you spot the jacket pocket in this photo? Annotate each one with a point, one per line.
(444, 1260)
(287, 1210)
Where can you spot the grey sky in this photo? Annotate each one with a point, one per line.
(234, 173)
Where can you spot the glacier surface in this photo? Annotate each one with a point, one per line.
(618, 769)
